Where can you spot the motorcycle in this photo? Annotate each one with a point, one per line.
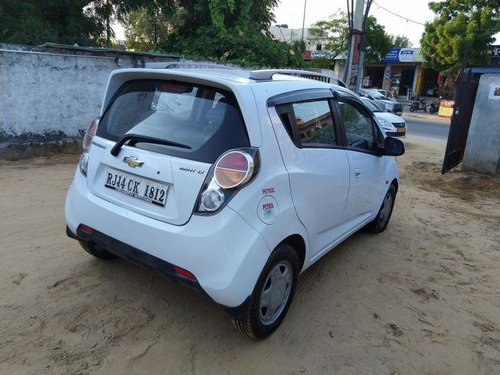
(433, 107)
(418, 105)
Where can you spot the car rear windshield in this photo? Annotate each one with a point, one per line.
(206, 121)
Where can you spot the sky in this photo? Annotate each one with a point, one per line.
(291, 12)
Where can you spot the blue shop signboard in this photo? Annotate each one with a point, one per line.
(403, 55)
(392, 56)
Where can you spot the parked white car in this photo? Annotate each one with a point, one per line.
(232, 182)
(388, 104)
(387, 94)
(393, 125)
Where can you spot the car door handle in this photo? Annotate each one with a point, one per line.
(357, 172)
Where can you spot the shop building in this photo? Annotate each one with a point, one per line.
(402, 73)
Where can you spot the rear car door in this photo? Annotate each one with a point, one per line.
(317, 165)
(366, 168)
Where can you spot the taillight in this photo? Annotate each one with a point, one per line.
(86, 143)
(89, 135)
(233, 168)
(231, 171)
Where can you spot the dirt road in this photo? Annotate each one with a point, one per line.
(421, 298)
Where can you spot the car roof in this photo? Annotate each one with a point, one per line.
(269, 82)
(257, 75)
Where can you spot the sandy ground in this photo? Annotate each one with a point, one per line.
(421, 298)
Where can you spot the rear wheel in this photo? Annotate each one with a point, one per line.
(379, 224)
(272, 294)
(96, 251)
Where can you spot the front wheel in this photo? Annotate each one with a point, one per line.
(272, 294)
(412, 108)
(379, 224)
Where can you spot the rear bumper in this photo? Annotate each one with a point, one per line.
(133, 255)
(223, 252)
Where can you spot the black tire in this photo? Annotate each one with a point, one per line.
(379, 224)
(96, 251)
(258, 320)
(412, 108)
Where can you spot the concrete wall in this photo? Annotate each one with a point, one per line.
(43, 93)
(52, 95)
(482, 153)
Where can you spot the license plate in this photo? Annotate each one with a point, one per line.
(138, 187)
(401, 130)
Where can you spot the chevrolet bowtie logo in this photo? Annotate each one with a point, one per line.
(132, 161)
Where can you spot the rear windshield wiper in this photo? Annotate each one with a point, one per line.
(132, 139)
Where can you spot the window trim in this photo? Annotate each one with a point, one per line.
(295, 137)
(299, 96)
(377, 135)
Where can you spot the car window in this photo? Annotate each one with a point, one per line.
(359, 128)
(376, 95)
(313, 123)
(371, 105)
(205, 119)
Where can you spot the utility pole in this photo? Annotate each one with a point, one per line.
(355, 27)
(304, 19)
(362, 47)
(347, 68)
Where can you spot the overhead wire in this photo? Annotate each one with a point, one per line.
(397, 15)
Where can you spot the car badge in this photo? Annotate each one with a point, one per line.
(132, 161)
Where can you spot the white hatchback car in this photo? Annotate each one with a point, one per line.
(231, 181)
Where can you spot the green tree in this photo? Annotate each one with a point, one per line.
(232, 31)
(335, 32)
(148, 27)
(460, 33)
(84, 22)
(400, 41)
(378, 42)
(59, 21)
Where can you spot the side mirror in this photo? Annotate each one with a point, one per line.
(393, 147)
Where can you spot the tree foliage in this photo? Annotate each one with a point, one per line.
(63, 21)
(150, 25)
(460, 33)
(86, 22)
(228, 30)
(334, 32)
(231, 30)
(378, 42)
(400, 41)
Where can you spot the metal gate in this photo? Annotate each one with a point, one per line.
(465, 98)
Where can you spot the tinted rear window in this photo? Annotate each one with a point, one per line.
(206, 119)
